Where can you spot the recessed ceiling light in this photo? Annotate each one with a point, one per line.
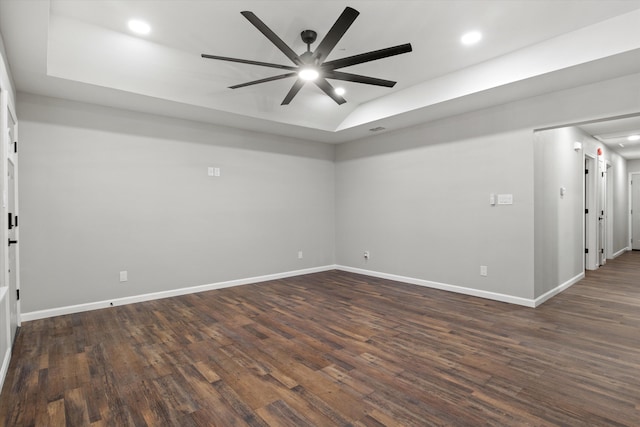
(340, 91)
(308, 74)
(472, 37)
(139, 27)
(634, 138)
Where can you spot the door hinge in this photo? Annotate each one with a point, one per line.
(586, 250)
(18, 294)
(586, 171)
(11, 242)
(602, 174)
(602, 250)
(586, 211)
(15, 146)
(12, 221)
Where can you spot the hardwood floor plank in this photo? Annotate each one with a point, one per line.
(56, 413)
(337, 348)
(75, 407)
(280, 414)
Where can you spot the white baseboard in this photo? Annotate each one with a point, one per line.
(620, 252)
(5, 366)
(443, 286)
(59, 311)
(555, 291)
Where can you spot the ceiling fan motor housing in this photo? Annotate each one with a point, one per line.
(308, 36)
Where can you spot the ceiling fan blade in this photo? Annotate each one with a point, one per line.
(366, 57)
(248, 61)
(356, 78)
(329, 90)
(284, 48)
(293, 91)
(334, 35)
(265, 80)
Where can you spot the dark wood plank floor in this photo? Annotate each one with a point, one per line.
(337, 349)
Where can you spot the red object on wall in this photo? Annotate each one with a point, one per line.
(599, 151)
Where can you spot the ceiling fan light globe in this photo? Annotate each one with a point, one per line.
(308, 74)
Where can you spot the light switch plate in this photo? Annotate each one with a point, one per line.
(505, 199)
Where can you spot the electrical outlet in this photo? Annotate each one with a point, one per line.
(483, 270)
(299, 254)
(123, 276)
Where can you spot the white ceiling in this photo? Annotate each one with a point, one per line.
(83, 50)
(615, 134)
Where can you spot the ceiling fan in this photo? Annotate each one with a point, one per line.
(313, 66)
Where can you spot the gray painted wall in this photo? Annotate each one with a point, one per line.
(633, 165)
(559, 254)
(618, 217)
(422, 209)
(559, 220)
(106, 190)
(417, 198)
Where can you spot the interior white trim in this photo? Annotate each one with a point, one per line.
(6, 359)
(443, 286)
(630, 201)
(620, 252)
(555, 291)
(78, 308)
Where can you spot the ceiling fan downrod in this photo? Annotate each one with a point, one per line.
(308, 37)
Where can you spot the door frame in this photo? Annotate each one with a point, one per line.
(590, 220)
(12, 158)
(8, 155)
(603, 247)
(630, 187)
(7, 107)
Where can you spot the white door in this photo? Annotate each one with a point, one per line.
(586, 214)
(602, 214)
(591, 213)
(635, 212)
(12, 224)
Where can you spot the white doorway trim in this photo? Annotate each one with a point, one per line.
(603, 210)
(7, 113)
(631, 213)
(590, 216)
